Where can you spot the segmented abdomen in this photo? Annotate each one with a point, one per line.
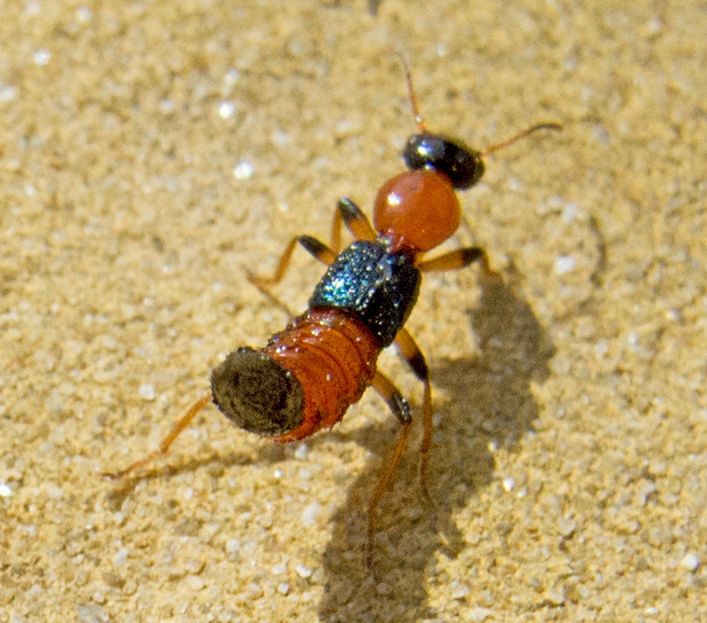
(333, 356)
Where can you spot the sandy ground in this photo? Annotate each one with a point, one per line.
(150, 151)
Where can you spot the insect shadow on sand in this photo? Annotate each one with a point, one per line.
(490, 400)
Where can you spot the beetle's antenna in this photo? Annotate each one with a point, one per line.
(419, 119)
(523, 134)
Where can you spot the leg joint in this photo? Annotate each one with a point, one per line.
(400, 408)
(419, 366)
(312, 245)
(348, 209)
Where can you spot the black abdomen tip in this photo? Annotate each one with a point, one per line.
(257, 394)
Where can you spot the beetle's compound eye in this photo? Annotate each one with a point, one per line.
(461, 164)
(257, 394)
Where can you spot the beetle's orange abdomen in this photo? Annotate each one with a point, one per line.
(333, 356)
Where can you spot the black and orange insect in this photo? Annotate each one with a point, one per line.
(307, 376)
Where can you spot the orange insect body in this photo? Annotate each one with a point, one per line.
(331, 354)
(417, 210)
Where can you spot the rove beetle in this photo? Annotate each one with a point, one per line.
(308, 375)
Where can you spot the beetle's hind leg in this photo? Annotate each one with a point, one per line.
(412, 354)
(165, 444)
(401, 409)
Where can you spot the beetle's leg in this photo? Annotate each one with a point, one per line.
(416, 360)
(348, 213)
(315, 248)
(401, 409)
(459, 258)
(165, 444)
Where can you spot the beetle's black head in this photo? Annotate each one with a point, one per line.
(461, 164)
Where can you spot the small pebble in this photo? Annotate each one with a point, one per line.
(54, 492)
(91, 613)
(309, 514)
(565, 264)
(690, 561)
(83, 15)
(232, 76)
(7, 93)
(460, 592)
(569, 212)
(146, 391)
(556, 595)
(303, 571)
(226, 109)
(228, 616)
(41, 57)
(167, 106)
(566, 526)
(648, 487)
(280, 138)
(509, 483)
(479, 615)
(194, 566)
(653, 26)
(243, 170)
(120, 556)
(32, 8)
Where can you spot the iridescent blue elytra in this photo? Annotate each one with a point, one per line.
(378, 287)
